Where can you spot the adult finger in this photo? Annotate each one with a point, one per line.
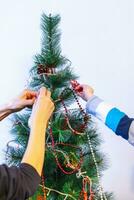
(43, 91)
(48, 94)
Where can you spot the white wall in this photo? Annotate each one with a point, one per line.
(98, 37)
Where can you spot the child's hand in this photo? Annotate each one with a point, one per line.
(84, 91)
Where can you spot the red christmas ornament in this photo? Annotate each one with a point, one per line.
(85, 195)
(39, 197)
(76, 86)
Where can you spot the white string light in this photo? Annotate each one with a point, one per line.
(102, 195)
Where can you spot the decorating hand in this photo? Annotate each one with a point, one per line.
(25, 99)
(42, 108)
(86, 92)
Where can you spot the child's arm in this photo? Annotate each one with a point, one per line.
(116, 120)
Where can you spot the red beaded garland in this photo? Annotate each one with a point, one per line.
(43, 188)
(56, 158)
(85, 116)
(83, 126)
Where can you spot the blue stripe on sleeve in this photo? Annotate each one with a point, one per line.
(123, 127)
(113, 118)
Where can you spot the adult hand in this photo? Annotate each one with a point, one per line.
(25, 99)
(42, 109)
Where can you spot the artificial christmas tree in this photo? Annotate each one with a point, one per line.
(73, 162)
